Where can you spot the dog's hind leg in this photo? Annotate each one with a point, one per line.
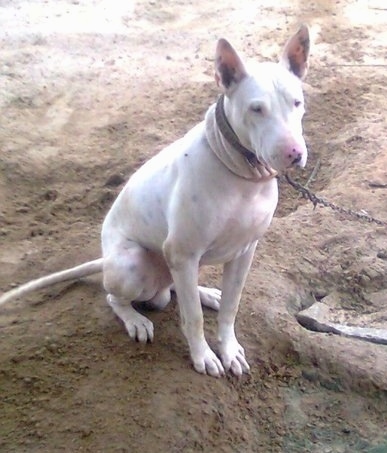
(160, 300)
(134, 274)
(210, 297)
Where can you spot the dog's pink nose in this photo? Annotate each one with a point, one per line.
(296, 156)
(293, 156)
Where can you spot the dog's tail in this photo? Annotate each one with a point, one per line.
(83, 270)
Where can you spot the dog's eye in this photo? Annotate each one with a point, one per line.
(256, 108)
(297, 103)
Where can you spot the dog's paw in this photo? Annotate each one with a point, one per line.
(139, 328)
(210, 297)
(233, 357)
(208, 363)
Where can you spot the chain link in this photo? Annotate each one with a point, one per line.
(306, 193)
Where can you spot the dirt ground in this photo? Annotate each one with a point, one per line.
(91, 89)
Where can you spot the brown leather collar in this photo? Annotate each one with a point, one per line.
(232, 138)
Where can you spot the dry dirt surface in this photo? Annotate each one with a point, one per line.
(91, 89)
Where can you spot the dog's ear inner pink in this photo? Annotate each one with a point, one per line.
(229, 68)
(296, 52)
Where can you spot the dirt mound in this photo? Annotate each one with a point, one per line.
(92, 90)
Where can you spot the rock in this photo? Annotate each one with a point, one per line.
(382, 254)
(316, 318)
(114, 180)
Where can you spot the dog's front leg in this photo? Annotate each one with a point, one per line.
(234, 278)
(185, 276)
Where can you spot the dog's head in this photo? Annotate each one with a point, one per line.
(265, 104)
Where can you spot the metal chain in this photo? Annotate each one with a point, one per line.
(306, 193)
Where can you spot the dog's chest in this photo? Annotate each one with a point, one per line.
(237, 227)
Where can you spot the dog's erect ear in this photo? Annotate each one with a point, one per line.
(296, 52)
(229, 68)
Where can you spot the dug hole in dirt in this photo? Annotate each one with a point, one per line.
(89, 90)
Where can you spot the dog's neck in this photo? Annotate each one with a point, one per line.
(225, 144)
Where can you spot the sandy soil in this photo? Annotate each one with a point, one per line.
(89, 91)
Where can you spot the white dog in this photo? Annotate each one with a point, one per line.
(206, 199)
